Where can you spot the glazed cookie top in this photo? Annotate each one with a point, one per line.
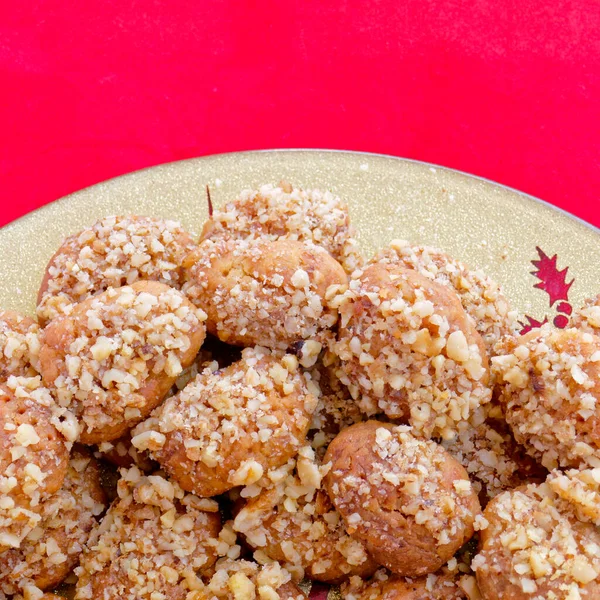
(113, 252)
(408, 349)
(19, 345)
(480, 296)
(229, 427)
(270, 293)
(273, 212)
(117, 354)
(154, 539)
(549, 382)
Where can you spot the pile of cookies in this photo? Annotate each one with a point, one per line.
(277, 410)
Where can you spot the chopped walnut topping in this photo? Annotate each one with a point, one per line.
(406, 498)
(490, 455)
(336, 409)
(550, 385)
(294, 523)
(245, 580)
(578, 492)
(316, 491)
(113, 359)
(52, 548)
(153, 542)
(587, 318)
(481, 297)
(285, 212)
(113, 252)
(271, 293)
(230, 427)
(532, 549)
(408, 348)
(36, 439)
(19, 345)
(443, 585)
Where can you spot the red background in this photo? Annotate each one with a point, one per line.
(507, 89)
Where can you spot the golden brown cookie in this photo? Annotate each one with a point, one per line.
(245, 580)
(409, 349)
(113, 252)
(154, 539)
(480, 296)
(274, 212)
(34, 454)
(270, 293)
(229, 427)
(295, 523)
(549, 383)
(406, 499)
(19, 345)
(117, 354)
(443, 585)
(532, 550)
(51, 550)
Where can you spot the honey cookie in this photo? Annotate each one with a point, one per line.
(274, 212)
(154, 539)
(246, 580)
(549, 383)
(268, 293)
(406, 499)
(34, 455)
(295, 523)
(480, 296)
(532, 550)
(114, 252)
(52, 549)
(115, 357)
(408, 348)
(229, 427)
(443, 585)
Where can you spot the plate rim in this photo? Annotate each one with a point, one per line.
(486, 180)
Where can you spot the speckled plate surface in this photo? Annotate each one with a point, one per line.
(546, 260)
(487, 225)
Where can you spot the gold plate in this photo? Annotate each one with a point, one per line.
(486, 225)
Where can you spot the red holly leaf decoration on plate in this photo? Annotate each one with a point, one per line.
(531, 324)
(552, 280)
